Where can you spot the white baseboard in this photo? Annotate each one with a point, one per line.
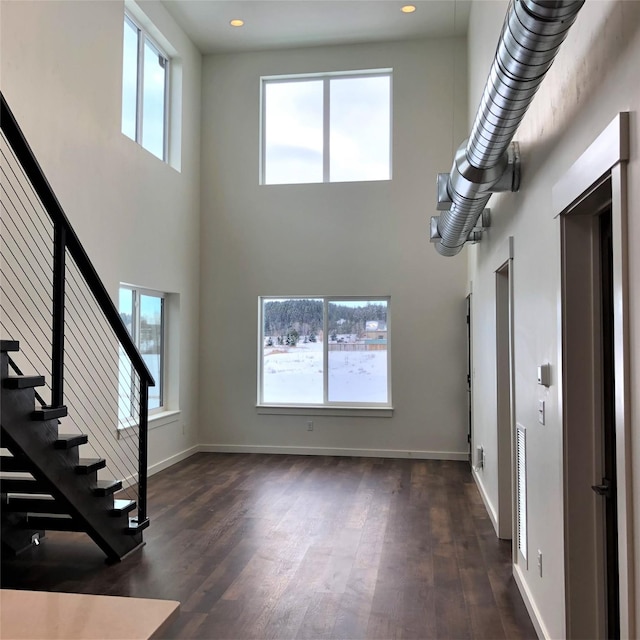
(534, 614)
(331, 451)
(301, 451)
(485, 498)
(171, 460)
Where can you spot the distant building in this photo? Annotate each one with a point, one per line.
(375, 335)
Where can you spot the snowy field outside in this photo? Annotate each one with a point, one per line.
(128, 386)
(294, 375)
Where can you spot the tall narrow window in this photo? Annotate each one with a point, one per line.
(142, 312)
(326, 128)
(325, 351)
(145, 80)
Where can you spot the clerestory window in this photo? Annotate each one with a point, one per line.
(326, 127)
(145, 89)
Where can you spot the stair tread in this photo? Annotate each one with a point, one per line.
(88, 465)
(13, 484)
(122, 504)
(52, 521)
(135, 526)
(121, 507)
(23, 382)
(10, 474)
(106, 487)
(32, 504)
(70, 440)
(49, 413)
(9, 345)
(14, 463)
(7, 474)
(16, 495)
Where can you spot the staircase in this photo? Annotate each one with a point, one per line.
(45, 485)
(58, 319)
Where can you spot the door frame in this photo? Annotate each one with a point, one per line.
(469, 300)
(505, 392)
(602, 165)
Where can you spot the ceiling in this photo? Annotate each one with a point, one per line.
(280, 24)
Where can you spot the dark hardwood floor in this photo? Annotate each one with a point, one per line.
(284, 547)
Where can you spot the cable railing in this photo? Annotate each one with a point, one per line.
(53, 302)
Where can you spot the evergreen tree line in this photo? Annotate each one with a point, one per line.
(304, 316)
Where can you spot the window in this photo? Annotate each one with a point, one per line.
(145, 78)
(325, 352)
(142, 312)
(326, 128)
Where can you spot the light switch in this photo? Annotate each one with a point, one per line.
(541, 412)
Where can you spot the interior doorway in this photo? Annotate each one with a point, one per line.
(591, 474)
(606, 489)
(504, 387)
(590, 200)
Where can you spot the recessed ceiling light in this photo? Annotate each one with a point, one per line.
(236, 22)
(408, 8)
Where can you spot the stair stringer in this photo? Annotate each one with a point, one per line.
(55, 469)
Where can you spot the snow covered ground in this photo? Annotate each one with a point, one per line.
(294, 375)
(128, 397)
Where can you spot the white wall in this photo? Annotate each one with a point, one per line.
(594, 77)
(138, 218)
(333, 239)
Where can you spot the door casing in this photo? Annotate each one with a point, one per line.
(504, 398)
(597, 175)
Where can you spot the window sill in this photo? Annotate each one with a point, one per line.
(351, 412)
(163, 418)
(155, 420)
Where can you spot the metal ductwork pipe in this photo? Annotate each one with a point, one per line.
(488, 161)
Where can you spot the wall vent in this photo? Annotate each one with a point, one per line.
(521, 466)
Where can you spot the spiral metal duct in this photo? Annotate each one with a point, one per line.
(488, 161)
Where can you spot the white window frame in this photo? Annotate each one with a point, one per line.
(326, 404)
(326, 115)
(143, 35)
(135, 326)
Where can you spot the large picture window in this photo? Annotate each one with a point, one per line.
(145, 80)
(326, 128)
(324, 352)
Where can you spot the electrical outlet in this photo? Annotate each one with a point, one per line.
(309, 425)
(35, 539)
(540, 562)
(479, 458)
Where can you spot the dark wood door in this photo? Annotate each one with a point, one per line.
(607, 487)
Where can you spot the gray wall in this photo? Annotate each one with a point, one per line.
(333, 239)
